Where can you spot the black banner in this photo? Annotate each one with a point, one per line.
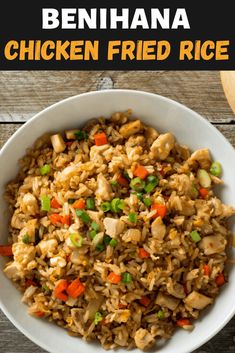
(151, 35)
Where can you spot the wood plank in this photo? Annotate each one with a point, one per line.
(24, 93)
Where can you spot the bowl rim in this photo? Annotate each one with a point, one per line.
(170, 101)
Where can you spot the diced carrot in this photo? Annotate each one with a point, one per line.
(145, 301)
(122, 180)
(220, 280)
(59, 291)
(160, 210)
(113, 278)
(141, 172)
(143, 254)
(75, 288)
(55, 203)
(206, 270)
(203, 192)
(66, 220)
(55, 218)
(29, 282)
(79, 204)
(100, 139)
(6, 250)
(39, 313)
(183, 322)
(122, 306)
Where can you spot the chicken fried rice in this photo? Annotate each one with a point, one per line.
(116, 234)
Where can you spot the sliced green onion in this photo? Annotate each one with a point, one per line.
(204, 178)
(126, 277)
(95, 226)
(140, 195)
(76, 240)
(45, 203)
(195, 236)
(113, 243)
(98, 318)
(147, 202)
(90, 203)
(137, 184)
(45, 169)
(114, 182)
(100, 247)
(71, 201)
(83, 216)
(160, 314)
(107, 239)
(132, 217)
(117, 205)
(81, 135)
(194, 191)
(152, 182)
(92, 234)
(216, 169)
(105, 206)
(26, 239)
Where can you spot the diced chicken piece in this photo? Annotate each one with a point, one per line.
(48, 246)
(96, 152)
(133, 153)
(175, 289)
(213, 244)
(104, 190)
(92, 307)
(77, 316)
(67, 173)
(12, 271)
(18, 220)
(29, 292)
(227, 211)
(197, 300)
(58, 261)
(130, 128)
(150, 134)
(113, 227)
(29, 204)
(143, 339)
(58, 143)
(162, 146)
(167, 301)
(158, 229)
(132, 236)
(201, 156)
(30, 229)
(70, 134)
(23, 253)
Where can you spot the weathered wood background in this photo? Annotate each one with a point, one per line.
(22, 94)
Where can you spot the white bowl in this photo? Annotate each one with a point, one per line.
(166, 115)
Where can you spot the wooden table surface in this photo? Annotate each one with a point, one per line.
(22, 94)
